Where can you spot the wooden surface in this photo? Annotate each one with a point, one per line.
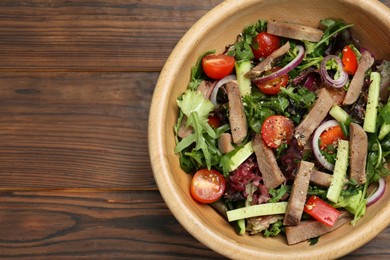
(77, 78)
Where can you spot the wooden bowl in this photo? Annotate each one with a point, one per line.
(215, 30)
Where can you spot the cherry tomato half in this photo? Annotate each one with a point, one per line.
(272, 87)
(207, 186)
(214, 121)
(349, 60)
(276, 130)
(217, 66)
(266, 44)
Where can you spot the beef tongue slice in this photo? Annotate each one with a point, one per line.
(311, 228)
(268, 166)
(298, 194)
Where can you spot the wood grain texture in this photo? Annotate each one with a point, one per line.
(122, 224)
(97, 225)
(95, 35)
(75, 129)
(74, 105)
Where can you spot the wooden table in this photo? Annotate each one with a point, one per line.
(77, 78)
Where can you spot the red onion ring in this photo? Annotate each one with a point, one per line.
(316, 148)
(336, 83)
(378, 193)
(286, 69)
(220, 83)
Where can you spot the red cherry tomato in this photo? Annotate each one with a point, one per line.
(217, 66)
(207, 186)
(266, 44)
(331, 137)
(276, 130)
(272, 87)
(321, 211)
(349, 60)
(214, 121)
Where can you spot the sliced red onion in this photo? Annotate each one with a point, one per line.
(219, 84)
(303, 75)
(316, 148)
(328, 80)
(378, 193)
(286, 69)
(311, 81)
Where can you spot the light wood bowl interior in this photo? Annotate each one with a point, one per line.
(215, 30)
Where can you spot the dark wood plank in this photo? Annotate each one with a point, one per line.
(67, 130)
(96, 225)
(83, 225)
(110, 35)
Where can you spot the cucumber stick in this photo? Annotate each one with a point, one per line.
(339, 172)
(231, 161)
(369, 124)
(244, 83)
(385, 129)
(241, 227)
(257, 210)
(339, 114)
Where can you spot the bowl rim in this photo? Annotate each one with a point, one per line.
(159, 158)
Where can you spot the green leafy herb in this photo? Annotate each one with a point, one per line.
(332, 27)
(300, 97)
(200, 146)
(313, 241)
(274, 229)
(197, 74)
(314, 51)
(259, 106)
(317, 191)
(277, 194)
(241, 50)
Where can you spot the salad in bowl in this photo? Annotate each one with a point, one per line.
(287, 131)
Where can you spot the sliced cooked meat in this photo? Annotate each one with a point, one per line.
(312, 228)
(258, 224)
(294, 31)
(321, 179)
(266, 160)
(237, 118)
(267, 63)
(315, 116)
(358, 147)
(338, 94)
(354, 89)
(183, 130)
(206, 88)
(297, 198)
(225, 143)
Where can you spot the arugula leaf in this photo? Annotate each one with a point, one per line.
(314, 51)
(384, 114)
(352, 203)
(241, 50)
(274, 229)
(332, 28)
(277, 194)
(199, 148)
(300, 96)
(259, 106)
(197, 74)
